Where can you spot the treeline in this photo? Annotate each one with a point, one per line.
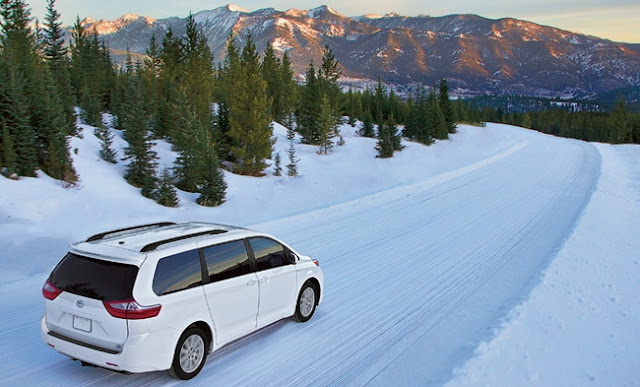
(421, 115)
(523, 104)
(426, 116)
(617, 126)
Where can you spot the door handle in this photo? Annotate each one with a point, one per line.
(264, 280)
(252, 282)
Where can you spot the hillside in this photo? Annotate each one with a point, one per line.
(477, 55)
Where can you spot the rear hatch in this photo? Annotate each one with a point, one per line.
(78, 313)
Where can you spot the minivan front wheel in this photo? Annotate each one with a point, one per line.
(190, 354)
(307, 301)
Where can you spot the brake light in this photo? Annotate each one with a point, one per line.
(130, 309)
(316, 262)
(49, 291)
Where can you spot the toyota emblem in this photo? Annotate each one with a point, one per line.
(80, 303)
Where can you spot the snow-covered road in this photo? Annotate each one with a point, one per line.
(416, 277)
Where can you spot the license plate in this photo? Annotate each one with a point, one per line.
(81, 323)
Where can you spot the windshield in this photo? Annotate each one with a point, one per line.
(94, 278)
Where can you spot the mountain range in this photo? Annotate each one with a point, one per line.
(475, 54)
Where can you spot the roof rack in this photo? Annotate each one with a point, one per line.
(104, 234)
(155, 245)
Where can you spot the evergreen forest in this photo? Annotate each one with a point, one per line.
(217, 115)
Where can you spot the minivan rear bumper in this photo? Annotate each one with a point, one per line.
(141, 352)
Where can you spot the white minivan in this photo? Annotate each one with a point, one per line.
(163, 295)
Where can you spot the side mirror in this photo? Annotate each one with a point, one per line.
(293, 258)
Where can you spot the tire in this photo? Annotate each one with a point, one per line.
(307, 301)
(190, 354)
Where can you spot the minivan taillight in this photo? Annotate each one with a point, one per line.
(49, 291)
(130, 309)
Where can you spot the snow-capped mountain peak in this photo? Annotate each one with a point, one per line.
(235, 8)
(322, 10)
(104, 27)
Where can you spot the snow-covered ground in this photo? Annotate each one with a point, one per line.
(499, 257)
(581, 324)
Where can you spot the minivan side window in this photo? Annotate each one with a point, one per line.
(226, 260)
(268, 253)
(178, 272)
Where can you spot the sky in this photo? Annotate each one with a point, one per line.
(617, 20)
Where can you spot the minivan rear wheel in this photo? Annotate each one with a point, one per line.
(307, 301)
(190, 354)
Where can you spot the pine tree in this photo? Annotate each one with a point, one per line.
(351, 108)
(213, 188)
(221, 132)
(17, 72)
(19, 143)
(153, 62)
(446, 107)
(291, 134)
(417, 127)
(269, 70)
(91, 73)
(227, 83)
(380, 110)
(394, 134)
(328, 74)
(167, 115)
(249, 115)
(326, 126)
(54, 158)
(150, 75)
(288, 95)
(309, 112)
(367, 125)
(435, 120)
(55, 52)
(166, 194)
(7, 151)
(635, 132)
(141, 170)
(277, 167)
(106, 143)
(526, 120)
(292, 167)
(622, 131)
(170, 56)
(197, 72)
(396, 107)
(192, 143)
(384, 145)
(460, 111)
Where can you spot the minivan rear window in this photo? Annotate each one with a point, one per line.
(94, 278)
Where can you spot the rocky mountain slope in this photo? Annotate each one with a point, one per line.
(476, 55)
